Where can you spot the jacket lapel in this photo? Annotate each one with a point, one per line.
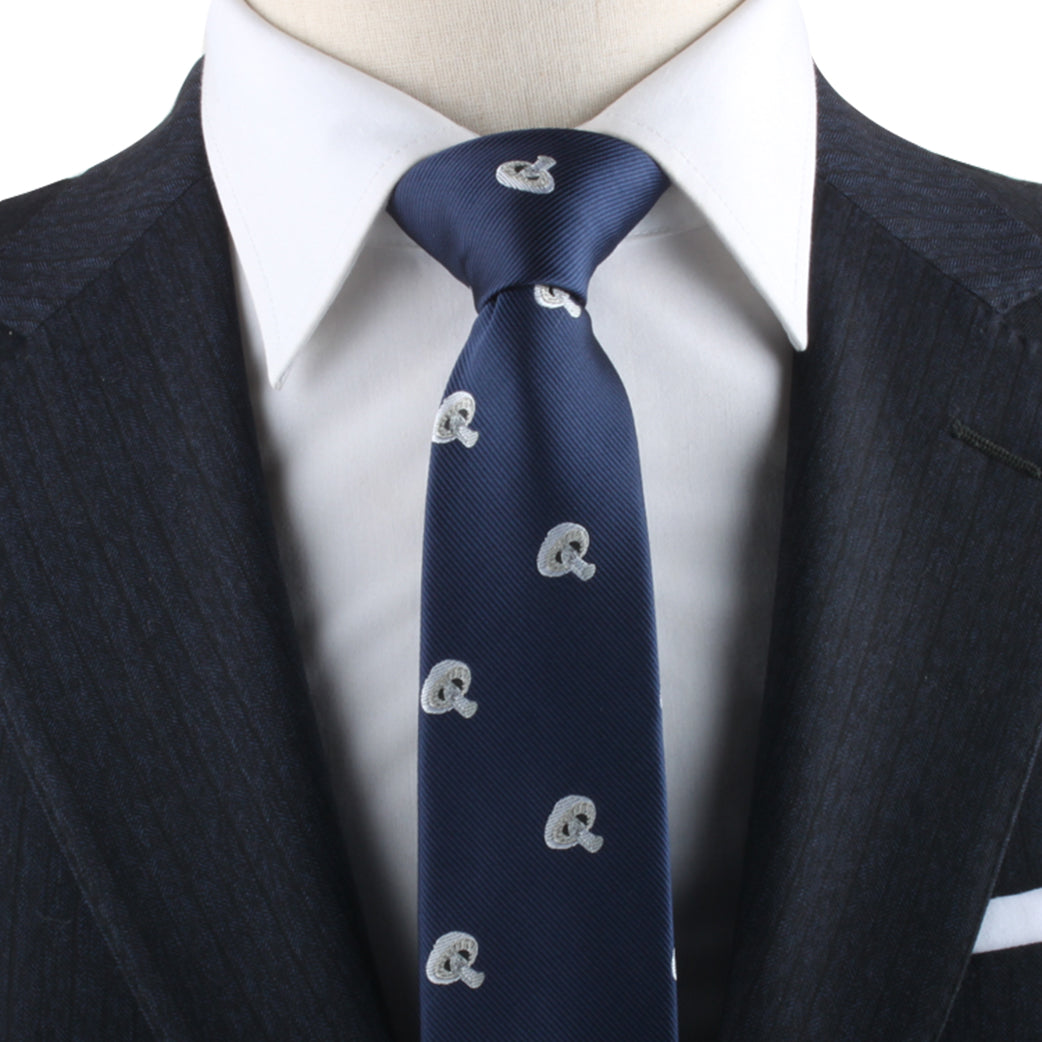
(149, 669)
(902, 713)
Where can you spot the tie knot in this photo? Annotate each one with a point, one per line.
(527, 207)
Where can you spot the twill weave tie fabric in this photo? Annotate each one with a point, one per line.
(545, 909)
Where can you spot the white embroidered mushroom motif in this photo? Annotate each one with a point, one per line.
(452, 422)
(563, 551)
(446, 687)
(528, 177)
(452, 959)
(554, 297)
(569, 825)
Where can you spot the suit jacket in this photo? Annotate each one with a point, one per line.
(170, 866)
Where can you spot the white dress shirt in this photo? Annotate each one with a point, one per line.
(351, 331)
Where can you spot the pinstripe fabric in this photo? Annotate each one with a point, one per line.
(148, 668)
(167, 854)
(58, 979)
(902, 710)
(975, 227)
(998, 998)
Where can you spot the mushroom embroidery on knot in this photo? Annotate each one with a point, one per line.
(563, 551)
(552, 297)
(446, 687)
(528, 177)
(569, 825)
(452, 958)
(455, 414)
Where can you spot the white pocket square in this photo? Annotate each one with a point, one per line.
(1010, 922)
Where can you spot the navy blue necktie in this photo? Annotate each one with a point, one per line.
(545, 911)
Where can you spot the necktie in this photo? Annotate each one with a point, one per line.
(545, 912)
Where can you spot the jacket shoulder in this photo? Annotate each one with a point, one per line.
(982, 229)
(56, 240)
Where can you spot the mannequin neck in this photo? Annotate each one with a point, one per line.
(492, 65)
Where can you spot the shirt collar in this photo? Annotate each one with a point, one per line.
(305, 151)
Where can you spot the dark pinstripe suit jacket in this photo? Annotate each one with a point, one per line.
(169, 866)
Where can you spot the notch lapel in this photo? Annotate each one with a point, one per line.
(149, 672)
(902, 712)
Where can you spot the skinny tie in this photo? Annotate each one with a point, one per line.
(545, 909)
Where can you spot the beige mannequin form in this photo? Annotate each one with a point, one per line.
(494, 65)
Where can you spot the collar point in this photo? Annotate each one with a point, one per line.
(278, 373)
